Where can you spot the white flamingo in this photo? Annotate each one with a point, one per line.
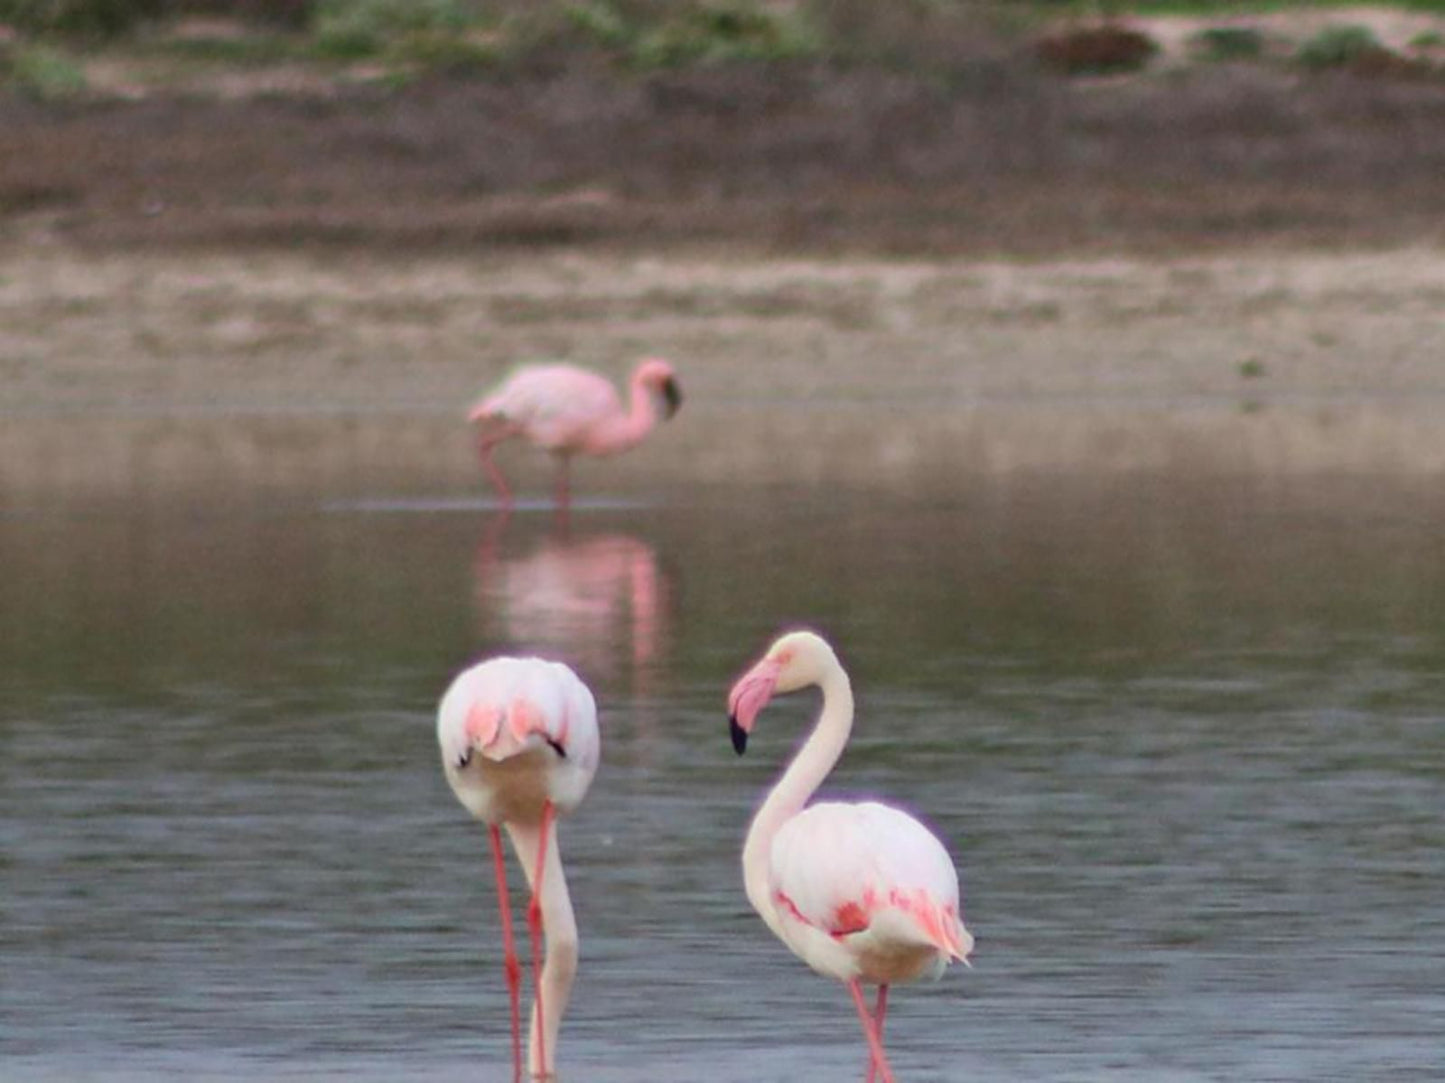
(519, 744)
(860, 892)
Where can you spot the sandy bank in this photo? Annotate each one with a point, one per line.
(342, 372)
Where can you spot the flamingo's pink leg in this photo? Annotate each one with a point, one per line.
(509, 950)
(499, 482)
(534, 925)
(564, 487)
(494, 431)
(875, 1041)
(880, 1011)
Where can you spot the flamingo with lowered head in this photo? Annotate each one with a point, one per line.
(861, 892)
(571, 411)
(519, 744)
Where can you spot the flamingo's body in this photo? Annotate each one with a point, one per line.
(572, 411)
(863, 893)
(519, 743)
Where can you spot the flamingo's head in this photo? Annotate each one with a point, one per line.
(795, 660)
(659, 377)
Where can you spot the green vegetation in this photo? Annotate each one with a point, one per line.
(685, 28)
(940, 40)
(79, 18)
(1214, 9)
(42, 72)
(721, 32)
(446, 32)
(1226, 43)
(354, 29)
(1337, 46)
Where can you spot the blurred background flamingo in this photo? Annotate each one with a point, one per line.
(520, 744)
(569, 411)
(861, 892)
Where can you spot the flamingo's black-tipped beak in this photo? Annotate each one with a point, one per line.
(673, 394)
(739, 736)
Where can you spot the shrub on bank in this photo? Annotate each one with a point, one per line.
(1222, 44)
(1337, 47)
(353, 29)
(78, 18)
(39, 71)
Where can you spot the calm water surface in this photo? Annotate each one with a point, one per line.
(1183, 737)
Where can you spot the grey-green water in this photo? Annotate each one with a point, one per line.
(1183, 735)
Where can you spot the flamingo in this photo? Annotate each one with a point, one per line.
(569, 411)
(861, 892)
(519, 745)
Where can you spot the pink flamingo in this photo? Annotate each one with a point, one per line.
(860, 892)
(519, 744)
(569, 411)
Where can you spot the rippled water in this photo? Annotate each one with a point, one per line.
(1184, 737)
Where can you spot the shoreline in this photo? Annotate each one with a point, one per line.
(188, 374)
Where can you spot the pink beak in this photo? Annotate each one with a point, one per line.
(748, 697)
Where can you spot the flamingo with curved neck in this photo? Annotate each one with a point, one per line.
(861, 892)
(569, 411)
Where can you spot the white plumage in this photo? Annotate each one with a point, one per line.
(860, 892)
(544, 744)
(871, 877)
(519, 743)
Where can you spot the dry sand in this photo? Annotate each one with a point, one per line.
(349, 372)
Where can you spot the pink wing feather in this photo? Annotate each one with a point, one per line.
(837, 866)
(518, 697)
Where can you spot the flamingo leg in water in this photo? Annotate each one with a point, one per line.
(880, 1011)
(504, 492)
(534, 925)
(564, 487)
(509, 949)
(485, 443)
(871, 1032)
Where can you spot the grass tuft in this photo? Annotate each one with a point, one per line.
(1224, 44)
(42, 72)
(1338, 47)
(365, 29)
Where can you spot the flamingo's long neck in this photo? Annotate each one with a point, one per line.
(802, 778)
(626, 430)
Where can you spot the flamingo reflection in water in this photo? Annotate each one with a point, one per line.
(599, 600)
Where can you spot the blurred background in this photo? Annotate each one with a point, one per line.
(1076, 367)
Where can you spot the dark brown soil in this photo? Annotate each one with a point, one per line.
(1011, 160)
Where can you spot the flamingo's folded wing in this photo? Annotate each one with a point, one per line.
(847, 868)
